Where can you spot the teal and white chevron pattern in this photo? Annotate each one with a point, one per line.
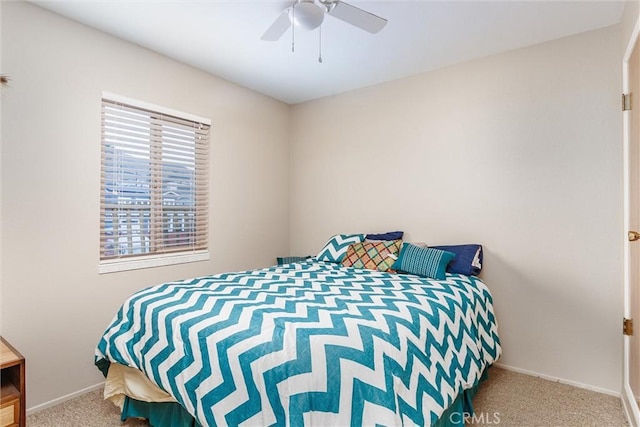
(336, 248)
(310, 343)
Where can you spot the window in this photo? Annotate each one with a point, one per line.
(154, 186)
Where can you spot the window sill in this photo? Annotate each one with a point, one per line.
(115, 265)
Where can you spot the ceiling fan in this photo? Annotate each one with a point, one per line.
(309, 14)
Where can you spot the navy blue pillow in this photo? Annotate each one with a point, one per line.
(463, 262)
(391, 235)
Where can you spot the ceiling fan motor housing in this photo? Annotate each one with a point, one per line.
(307, 14)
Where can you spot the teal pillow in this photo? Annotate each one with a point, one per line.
(426, 262)
(282, 260)
(336, 248)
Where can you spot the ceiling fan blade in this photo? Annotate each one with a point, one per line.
(360, 18)
(278, 28)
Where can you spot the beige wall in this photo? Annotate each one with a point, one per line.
(54, 304)
(630, 16)
(1, 90)
(521, 152)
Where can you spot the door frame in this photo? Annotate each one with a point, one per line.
(628, 399)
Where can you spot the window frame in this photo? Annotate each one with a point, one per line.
(153, 259)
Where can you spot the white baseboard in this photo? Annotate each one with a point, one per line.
(559, 380)
(630, 407)
(59, 400)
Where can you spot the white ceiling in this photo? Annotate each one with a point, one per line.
(223, 37)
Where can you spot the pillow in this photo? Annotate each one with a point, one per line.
(373, 255)
(426, 262)
(468, 259)
(391, 235)
(336, 247)
(282, 260)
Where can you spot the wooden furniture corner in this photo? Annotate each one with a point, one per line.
(12, 386)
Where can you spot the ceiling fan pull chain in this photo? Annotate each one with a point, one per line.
(293, 28)
(320, 46)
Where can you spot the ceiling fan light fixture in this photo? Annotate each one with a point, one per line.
(307, 15)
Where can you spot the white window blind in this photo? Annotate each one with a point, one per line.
(154, 182)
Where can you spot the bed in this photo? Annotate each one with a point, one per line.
(308, 343)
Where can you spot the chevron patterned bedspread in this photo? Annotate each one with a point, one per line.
(309, 343)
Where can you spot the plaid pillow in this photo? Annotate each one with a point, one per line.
(372, 255)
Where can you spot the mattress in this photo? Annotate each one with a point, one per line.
(123, 381)
(308, 343)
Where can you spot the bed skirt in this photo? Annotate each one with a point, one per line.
(171, 414)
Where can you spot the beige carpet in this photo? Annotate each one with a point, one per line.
(505, 399)
(523, 400)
